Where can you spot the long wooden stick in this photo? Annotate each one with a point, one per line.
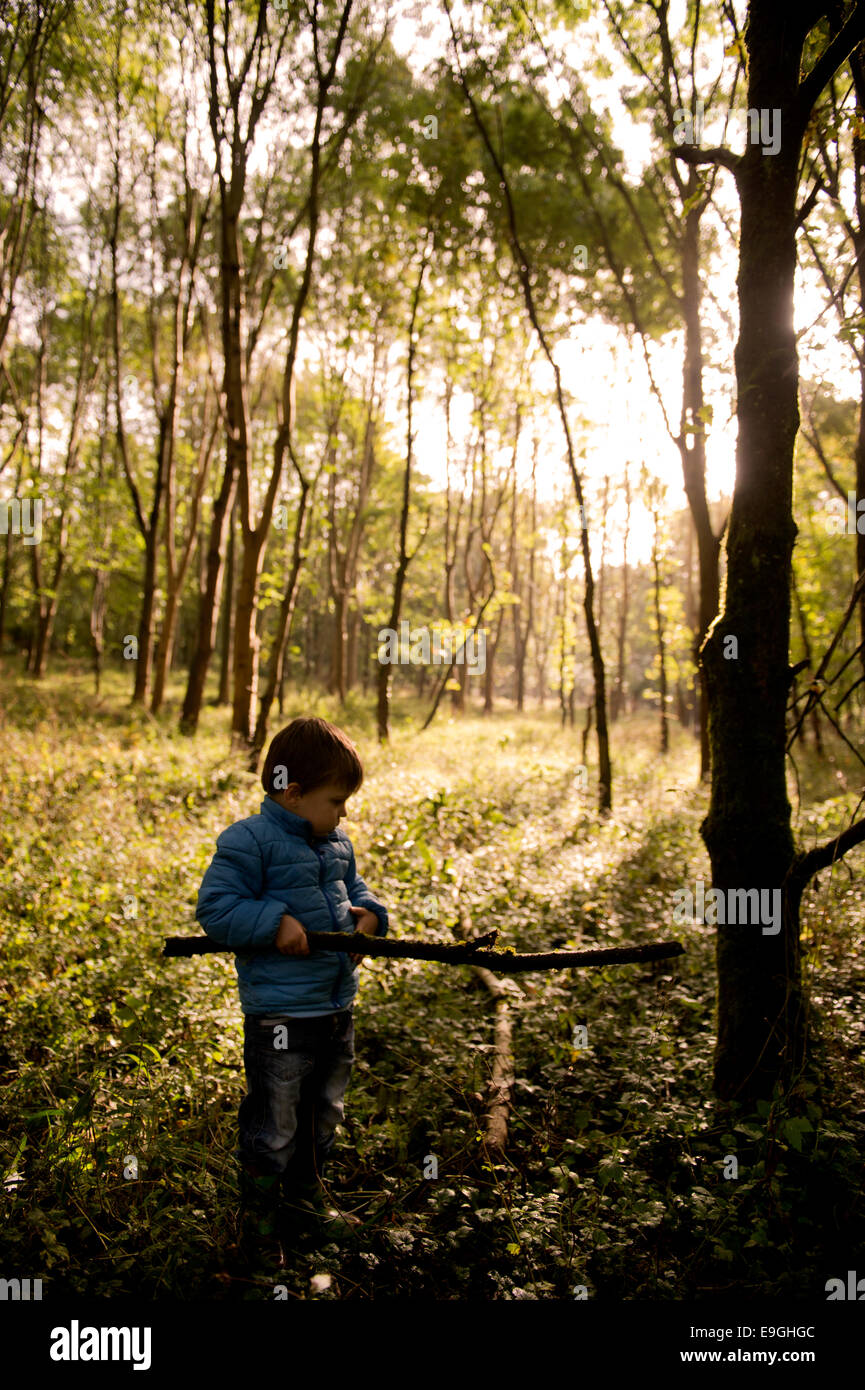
(476, 952)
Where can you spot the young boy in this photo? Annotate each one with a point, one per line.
(275, 879)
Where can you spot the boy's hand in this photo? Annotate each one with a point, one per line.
(291, 937)
(367, 922)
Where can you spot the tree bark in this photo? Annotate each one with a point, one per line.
(748, 828)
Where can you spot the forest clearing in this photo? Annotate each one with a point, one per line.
(613, 1177)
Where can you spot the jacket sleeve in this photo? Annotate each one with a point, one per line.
(360, 896)
(230, 906)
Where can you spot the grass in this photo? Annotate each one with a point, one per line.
(120, 1072)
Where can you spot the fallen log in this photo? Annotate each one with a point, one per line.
(501, 1082)
(477, 952)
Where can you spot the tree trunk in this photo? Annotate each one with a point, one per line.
(619, 700)
(5, 587)
(857, 68)
(489, 679)
(659, 636)
(523, 634)
(47, 610)
(208, 610)
(224, 695)
(351, 649)
(748, 828)
(694, 456)
(383, 683)
(176, 571)
(283, 630)
(98, 609)
(806, 644)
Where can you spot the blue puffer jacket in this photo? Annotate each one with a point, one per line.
(268, 865)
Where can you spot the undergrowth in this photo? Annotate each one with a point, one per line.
(120, 1071)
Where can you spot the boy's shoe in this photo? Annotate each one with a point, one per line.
(259, 1196)
(259, 1210)
(307, 1211)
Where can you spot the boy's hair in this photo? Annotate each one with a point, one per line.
(311, 752)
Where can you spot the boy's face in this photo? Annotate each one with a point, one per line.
(324, 808)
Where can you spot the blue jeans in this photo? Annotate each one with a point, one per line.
(297, 1071)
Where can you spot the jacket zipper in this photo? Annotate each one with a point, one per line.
(333, 998)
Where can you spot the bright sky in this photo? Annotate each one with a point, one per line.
(616, 416)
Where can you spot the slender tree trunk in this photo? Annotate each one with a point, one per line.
(659, 637)
(693, 456)
(602, 574)
(85, 377)
(561, 622)
(522, 634)
(587, 729)
(176, 570)
(143, 665)
(5, 587)
(208, 610)
(36, 550)
(283, 630)
(99, 595)
(806, 643)
(224, 696)
(98, 609)
(619, 697)
(404, 558)
(857, 67)
(47, 612)
(365, 655)
(351, 650)
(489, 678)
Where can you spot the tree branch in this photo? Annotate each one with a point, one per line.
(809, 202)
(805, 866)
(830, 60)
(718, 155)
(476, 952)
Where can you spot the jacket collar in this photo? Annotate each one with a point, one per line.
(295, 825)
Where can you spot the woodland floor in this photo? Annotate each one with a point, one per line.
(614, 1173)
